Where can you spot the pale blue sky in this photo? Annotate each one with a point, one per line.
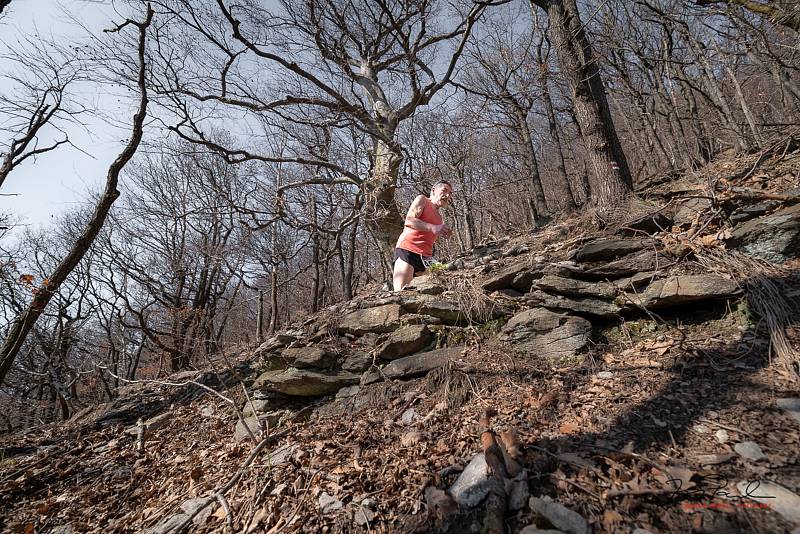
(59, 179)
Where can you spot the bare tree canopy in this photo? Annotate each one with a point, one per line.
(785, 12)
(25, 321)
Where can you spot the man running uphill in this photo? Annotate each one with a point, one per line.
(423, 225)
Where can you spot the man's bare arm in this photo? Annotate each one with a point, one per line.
(413, 216)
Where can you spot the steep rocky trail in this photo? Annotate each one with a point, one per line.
(641, 377)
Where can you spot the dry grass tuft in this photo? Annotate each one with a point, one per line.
(772, 293)
(451, 385)
(475, 305)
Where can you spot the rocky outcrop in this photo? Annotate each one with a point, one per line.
(379, 319)
(609, 249)
(304, 383)
(519, 276)
(309, 357)
(595, 307)
(681, 290)
(575, 288)
(543, 333)
(452, 312)
(404, 341)
(415, 365)
(774, 238)
(426, 285)
(645, 260)
(562, 298)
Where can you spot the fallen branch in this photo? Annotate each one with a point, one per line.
(496, 501)
(220, 493)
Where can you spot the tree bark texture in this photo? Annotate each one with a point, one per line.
(611, 182)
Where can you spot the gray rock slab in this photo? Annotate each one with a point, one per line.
(777, 497)
(427, 285)
(775, 237)
(357, 362)
(473, 484)
(328, 503)
(608, 249)
(575, 288)
(274, 343)
(603, 309)
(253, 422)
(404, 341)
(516, 250)
(379, 319)
(256, 406)
(644, 261)
(309, 357)
(560, 516)
(415, 365)
(519, 275)
(746, 213)
(304, 383)
(543, 333)
(636, 281)
(453, 312)
(281, 455)
(200, 508)
(749, 450)
(416, 318)
(791, 407)
(349, 391)
(681, 290)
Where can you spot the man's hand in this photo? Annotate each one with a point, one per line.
(442, 229)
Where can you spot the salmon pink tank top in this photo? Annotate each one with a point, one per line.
(421, 242)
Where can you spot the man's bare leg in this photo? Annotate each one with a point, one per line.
(403, 274)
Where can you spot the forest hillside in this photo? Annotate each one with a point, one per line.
(200, 204)
(641, 377)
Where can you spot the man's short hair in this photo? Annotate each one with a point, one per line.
(441, 183)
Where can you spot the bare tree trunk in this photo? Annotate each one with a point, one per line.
(137, 356)
(23, 324)
(714, 91)
(260, 317)
(539, 204)
(347, 263)
(381, 213)
(611, 181)
(569, 202)
(748, 115)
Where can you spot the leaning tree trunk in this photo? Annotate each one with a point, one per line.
(611, 181)
(22, 324)
(381, 213)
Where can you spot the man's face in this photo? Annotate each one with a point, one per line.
(441, 195)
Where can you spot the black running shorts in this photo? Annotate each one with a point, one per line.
(411, 258)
